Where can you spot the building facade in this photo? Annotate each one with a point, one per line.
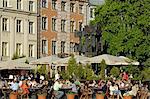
(18, 28)
(59, 20)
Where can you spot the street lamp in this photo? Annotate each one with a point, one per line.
(53, 70)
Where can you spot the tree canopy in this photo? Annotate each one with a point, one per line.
(125, 26)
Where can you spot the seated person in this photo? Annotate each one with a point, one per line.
(134, 90)
(25, 87)
(77, 82)
(57, 86)
(114, 90)
(74, 87)
(14, 86)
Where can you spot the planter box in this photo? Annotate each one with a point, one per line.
(41, 96)
(70, 96)
(99, 96)
(13, 96)
(127, 97)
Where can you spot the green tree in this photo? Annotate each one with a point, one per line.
(102, 71)
(79, 71)
(89, 73)
(125, 27)
(115, 71)
(42, 69)
(145, 74)
(72, 64)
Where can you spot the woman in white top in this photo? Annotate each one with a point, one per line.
(114, 90)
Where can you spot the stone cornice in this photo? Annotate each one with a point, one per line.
(18, 11)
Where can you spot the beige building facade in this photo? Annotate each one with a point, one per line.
(18, 28)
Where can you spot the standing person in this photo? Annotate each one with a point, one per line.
(57, 86)
(125, 76)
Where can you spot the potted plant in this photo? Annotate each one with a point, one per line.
(42, 94)
(13, 95)
(70, 95)
(100, 95)
(127, 96)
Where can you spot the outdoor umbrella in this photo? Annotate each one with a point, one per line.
(45, 60)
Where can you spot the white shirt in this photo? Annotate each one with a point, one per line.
(20, 83)
(112, 88)
(57, 76)
(57, 86)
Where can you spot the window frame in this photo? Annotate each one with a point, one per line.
(5, 3)
(18, 47)
(54, 4)
(19, 4)
(53, 24)
(44, 45)
(18, 26)
(31, 50)
(5, 24)
(63, 6)
(72, 7)
(4, 48)
(63, 25)
(72, 26)
(31, 27)
(31, 6)
(53, 47)
(44, 3)
(44, 23)
(80, 26)
(80, 9)
(63, 46)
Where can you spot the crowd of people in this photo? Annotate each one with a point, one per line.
(29, 84)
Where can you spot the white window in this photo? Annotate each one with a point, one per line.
(19, 49)
(54, 4)
(31, 5)
(71, 26)
(4, 48)
(18, 26)
(71, 47)
(31, 50)
(63, 25)
(44, 46)
(44, 3)
(19, 5)
(92, 12)
(63, 5)
(62, 46)
(80, 9)
(53, 24)
(5, 3)
(30, 27)
(71, 7)
(5, 24)
(44, 23)
(53, 47)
